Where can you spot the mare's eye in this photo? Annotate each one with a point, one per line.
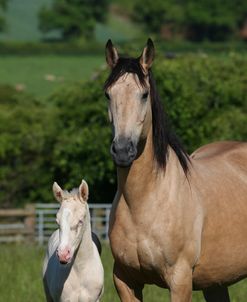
(145, 95)
(107, 95)
(80, 222)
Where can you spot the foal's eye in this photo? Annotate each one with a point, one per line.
(145, 95)
(80, 222)
(107, 95)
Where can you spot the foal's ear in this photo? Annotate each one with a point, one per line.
(147, 56)
(111, 54)
(83, 191)
(58, 192)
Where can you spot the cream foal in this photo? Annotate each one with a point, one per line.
(72, 269)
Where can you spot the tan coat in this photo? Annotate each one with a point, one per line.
(177, 230)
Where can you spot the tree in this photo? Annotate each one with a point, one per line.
(153, 15)
(74, 18)
(215, 20)
(3, 4)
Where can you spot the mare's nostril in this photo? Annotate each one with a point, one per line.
(131, 149)
(123, 151)
(113, 148)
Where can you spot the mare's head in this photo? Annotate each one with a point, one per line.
(135, 110)
(128, 92)
(71, 218)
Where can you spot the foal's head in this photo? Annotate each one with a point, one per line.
(128, 92)
(71, 218)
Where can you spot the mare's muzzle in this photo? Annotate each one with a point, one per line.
(123, 151)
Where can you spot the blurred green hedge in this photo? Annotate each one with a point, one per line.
(27, 132)
(68, 138)
(81, 47)
(46, 48)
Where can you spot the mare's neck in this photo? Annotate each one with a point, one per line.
(144, 177)
(143, 170)
(85, 249)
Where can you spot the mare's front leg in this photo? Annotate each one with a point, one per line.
(127, 290)
(216, 294)
(180, 282)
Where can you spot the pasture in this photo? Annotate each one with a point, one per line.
(20, 278)
(41, 75)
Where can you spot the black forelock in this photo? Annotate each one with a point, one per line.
(123, 66)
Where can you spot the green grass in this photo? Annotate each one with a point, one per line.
(32, 71)
(20, 278)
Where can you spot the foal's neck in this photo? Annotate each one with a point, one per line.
(85, 249)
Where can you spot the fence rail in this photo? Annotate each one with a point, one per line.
(17, 224)
(36, 222)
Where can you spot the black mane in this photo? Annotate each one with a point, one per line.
(162, 134)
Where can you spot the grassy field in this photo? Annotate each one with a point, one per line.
(20, 278)
(40, 75)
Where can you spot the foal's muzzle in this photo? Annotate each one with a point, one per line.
(123, 151)
(64, 255)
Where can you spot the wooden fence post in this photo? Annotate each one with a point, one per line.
(30, 222)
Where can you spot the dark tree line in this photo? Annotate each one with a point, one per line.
(73, 18)
(215, 20)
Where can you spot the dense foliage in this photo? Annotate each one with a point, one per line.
(68, 137)
(81, 146)
(74, 18)
(215, 20)
(206, 98)
(26, 134)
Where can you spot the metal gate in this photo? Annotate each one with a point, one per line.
(46, 223)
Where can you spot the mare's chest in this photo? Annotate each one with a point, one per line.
(140, 245)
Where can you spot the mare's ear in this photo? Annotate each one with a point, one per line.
(147, 56)
(58, 192)
(111, 54)
(83, 191)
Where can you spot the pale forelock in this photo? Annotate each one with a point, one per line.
(74, 193)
